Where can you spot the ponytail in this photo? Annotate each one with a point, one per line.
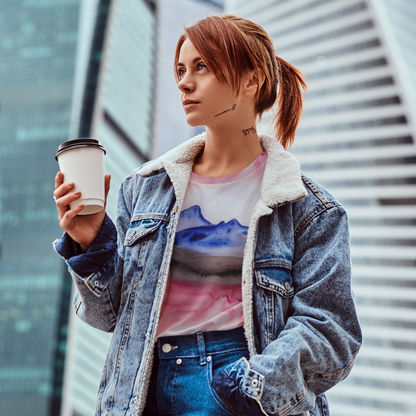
(289, 100)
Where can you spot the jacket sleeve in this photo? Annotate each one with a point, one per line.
(319, 343)
(98, 273)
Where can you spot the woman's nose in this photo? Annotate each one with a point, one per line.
(186, 84)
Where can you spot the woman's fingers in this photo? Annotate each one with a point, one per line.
(63, 189)
(107, 179)
(62, 203)
(66, 222)
(59, 179)
(62, 194)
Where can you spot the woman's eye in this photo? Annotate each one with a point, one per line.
(202, 66)
(181, 73)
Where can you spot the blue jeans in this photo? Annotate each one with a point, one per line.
(183, 368)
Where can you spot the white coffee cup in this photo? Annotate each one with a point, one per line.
(82, 162)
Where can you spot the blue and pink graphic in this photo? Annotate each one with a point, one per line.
(204, 291)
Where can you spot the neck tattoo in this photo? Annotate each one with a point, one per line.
(250, 130)
(226, 111)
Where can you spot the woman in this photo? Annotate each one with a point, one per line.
(227, 280)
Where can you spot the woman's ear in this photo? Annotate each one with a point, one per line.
(253, 82)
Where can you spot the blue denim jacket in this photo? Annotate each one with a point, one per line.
(299, 315)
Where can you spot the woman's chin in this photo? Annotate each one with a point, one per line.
(194, 121)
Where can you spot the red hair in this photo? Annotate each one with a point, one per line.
(232, 46)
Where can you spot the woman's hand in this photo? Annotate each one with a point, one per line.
(81, 228)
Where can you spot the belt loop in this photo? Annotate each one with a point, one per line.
(201, 348)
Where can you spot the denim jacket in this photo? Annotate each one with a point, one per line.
(299, 315)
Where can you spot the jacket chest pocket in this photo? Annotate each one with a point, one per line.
(273, 297)
(141, 237)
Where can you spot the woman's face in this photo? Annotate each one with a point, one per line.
(205, 99)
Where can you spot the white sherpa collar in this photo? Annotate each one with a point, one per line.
(281, 182)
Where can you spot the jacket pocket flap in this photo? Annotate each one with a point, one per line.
(139, 229)
(275, 278)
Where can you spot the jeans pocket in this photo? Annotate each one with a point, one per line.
(225, 409)
(218, 362)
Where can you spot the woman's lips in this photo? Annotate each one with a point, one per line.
(187, 104)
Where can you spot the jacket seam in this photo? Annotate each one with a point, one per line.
(271, 263)
(121, 350)
(292, 404)
(152, 173)
(150, 354)
(130, 241)
(87, 280)
(149, 216)
(133, 196)
(304, 224)
(115, 315)
(318, 211)
(315, 191)
(332, 376)
(325, 205)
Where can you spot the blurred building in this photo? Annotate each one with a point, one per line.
(117, 108)
(170, 128)
(357, 138)
(67, 68)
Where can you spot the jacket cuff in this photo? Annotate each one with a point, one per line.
(100, 252)
(240, 388)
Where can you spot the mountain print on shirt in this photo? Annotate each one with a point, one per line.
(200, 236)
(205, 283)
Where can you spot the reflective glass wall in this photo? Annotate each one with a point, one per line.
(38, 42)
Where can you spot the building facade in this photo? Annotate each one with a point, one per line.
(37, 65)
(67, 68)
(117, 108)
(170, 128)
(357, 138)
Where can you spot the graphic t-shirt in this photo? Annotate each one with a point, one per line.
(204, 287)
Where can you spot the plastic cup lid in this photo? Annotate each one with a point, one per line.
(72, 144)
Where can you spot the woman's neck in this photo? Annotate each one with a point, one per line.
(228, 149)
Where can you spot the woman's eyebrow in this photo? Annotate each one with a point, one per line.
(195, 60)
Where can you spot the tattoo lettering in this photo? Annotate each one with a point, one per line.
(226, 111)
(250, 130)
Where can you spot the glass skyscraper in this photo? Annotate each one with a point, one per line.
(37, 64)
(67, 67)
(357, 137)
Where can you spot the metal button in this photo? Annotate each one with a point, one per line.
(147, 335)
(209, 358)
(287, 285)
(135, 399)
(178, 361)
(132, 233)
(96, 283)
(255, 383)
(166, 348)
